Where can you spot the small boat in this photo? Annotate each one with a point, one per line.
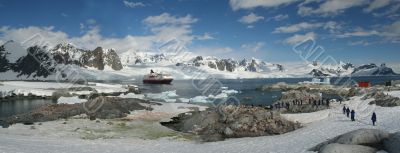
(157, 78)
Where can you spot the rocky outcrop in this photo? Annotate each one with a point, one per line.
(112, 107)
(232, 122)
(297, 95)
(318, 73)
(361, 140)
(384, 100)
(4, 63)
(344, 148)
(99, 58)
(37, 63)
(392, 144)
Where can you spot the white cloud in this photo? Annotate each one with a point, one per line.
(332, 26)
(249, 4)
(250, 27)
(64, 15)
(166, 18)
(133, 4)
(299, 38)
(358, 43)
(91, 21)
(88, 25)
(297, 27)
(212, 51)
(254, 47)
(251, 18)
(279, 17)
(390, 32)
(376, 4)
(167, 26)
(48, 34)
(359, 33)
(392, 11)
(205, 36)
(81, 26)
(329, 7)
(91, 38)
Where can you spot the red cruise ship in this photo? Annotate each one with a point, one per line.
(157, 78)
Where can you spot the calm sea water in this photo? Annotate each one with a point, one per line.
(247, 87)
(191, 88)
(12, 107)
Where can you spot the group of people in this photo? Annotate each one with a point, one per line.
(352, 114)
(349, 113)
(300, 102)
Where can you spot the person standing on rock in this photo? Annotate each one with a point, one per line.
(373, 118)
(353, 113)
(348, 112)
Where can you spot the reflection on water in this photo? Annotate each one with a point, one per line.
(12, 107)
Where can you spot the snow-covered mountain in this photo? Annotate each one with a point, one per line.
(341, 69)
(373, 69)
(231, 65)
(42, 62)
(347, 69)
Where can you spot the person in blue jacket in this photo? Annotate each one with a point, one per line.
(344, 109)
(373, 118)
(353, 114)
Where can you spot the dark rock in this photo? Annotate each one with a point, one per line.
(381, 99)
(318, 73)
(344, 148)
(392, 144)
(92, 117)
(28, 123)
(366, 137)
(231, 122)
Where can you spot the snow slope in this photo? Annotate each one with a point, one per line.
(297, 141)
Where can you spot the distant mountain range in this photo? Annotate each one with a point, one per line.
(42, 61)
(346, 69)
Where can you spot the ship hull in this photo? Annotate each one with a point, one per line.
(164, 81)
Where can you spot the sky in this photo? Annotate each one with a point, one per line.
(358, 31)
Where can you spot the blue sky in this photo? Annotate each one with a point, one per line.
(358, 31)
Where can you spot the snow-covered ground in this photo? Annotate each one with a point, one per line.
(318, 127)
(70, 100)
(394, 93)
(46, 89)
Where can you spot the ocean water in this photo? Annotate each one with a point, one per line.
(248, 93)
(12, 107)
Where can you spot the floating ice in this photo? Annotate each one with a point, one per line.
(164, 96)
(132, 95)
(200, 99)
